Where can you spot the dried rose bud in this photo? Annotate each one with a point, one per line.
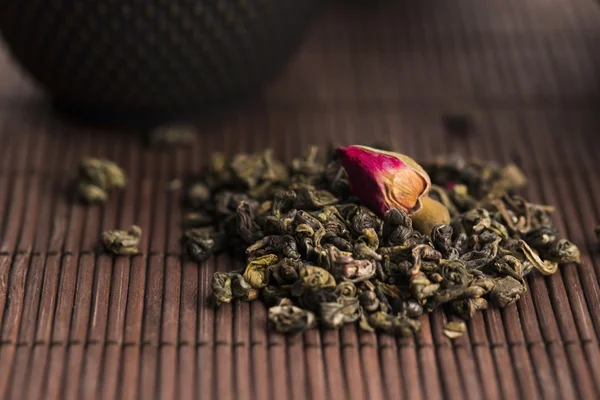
(384, 180)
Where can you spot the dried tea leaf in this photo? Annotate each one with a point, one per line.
(397, 227)
(562, 252)
(174, 135)
(421, 287)
(511, 178)
(511, 266)
(310, 198)
(345, 267)
(121, 242)
(286, 271)
(101, 172)
(96, 177)
(274, 295)
(308, 165)
(541, 237)
(221, 288)
(115, 177)
(346, 289)
(314, 279)
(364, 324)
(241, 289)
(247, 228)
(394, 325)
(256, 271)
(288, 318)
(174, 185)
(466, 308)
(369, 301)
(275, 171)
(199, 244)
(455, 329)
(343, 311)
(197, 219)
(91, 193)
(363, 252)
(507, 291)
(198, 195)
(93, 171)
(312, 300)
(441, 236)
(546, 267)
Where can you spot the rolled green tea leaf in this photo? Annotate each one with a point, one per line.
(288, 318)
(455, 329)
(341, 240)
(121, 242)
(175, 135)
(96, 178)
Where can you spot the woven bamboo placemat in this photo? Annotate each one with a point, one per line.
(81, 324)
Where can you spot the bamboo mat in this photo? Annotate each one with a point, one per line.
(76, 323)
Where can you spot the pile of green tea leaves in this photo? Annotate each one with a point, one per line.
(317, 257)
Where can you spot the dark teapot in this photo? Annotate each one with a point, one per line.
(153, 56)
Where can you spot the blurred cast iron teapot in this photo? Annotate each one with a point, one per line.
(153, 56)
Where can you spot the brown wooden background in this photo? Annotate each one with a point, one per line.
(77, 324)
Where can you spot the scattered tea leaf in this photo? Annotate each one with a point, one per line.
(172, 136)
(455, 329)
(96, 178)
(452, 233)
(121, 242)
(174, 185)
